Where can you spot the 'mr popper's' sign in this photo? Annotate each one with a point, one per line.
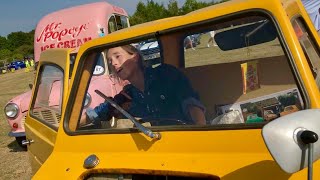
(62, 37)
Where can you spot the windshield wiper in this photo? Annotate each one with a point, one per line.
(146, 131)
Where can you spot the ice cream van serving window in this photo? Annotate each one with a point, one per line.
(117, 22)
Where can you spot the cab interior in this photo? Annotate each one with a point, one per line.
(220, 81)
(245, 76)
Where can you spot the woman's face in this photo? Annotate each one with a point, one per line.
(124, 64)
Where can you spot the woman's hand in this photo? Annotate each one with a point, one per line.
(84, 120)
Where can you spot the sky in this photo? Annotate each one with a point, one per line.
(22, 15)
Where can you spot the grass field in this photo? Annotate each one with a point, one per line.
(14, 160)
(213, 55)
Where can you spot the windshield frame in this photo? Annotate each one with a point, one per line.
(192, 127)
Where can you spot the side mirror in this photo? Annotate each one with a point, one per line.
(284, 138)
(30, 86)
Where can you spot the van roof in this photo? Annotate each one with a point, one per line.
(70, 27)
(201, 15)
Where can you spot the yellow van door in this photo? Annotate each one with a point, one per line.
(45, 110)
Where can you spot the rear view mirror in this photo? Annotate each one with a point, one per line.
(285, 141)
(246, 35)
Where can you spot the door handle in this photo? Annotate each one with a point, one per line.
(27, 142)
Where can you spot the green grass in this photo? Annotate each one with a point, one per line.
(14, 160)
(214, 55)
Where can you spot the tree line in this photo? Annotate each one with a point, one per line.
(18, 45)
(151, 10)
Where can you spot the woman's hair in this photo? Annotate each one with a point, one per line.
(130, 50)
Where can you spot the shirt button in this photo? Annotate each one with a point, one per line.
(162, 97)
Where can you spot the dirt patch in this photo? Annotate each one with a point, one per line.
(14, 159)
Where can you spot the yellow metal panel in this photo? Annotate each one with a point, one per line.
(177, 152)
(228, 154)
(294, 8)
(44, 137)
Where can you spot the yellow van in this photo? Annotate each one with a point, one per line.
(231, 61)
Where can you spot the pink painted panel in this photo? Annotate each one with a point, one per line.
(70, 28)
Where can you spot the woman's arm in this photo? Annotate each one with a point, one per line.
(197, 115)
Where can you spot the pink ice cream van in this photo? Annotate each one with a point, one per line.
(70, 28)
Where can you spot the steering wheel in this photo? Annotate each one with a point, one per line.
(153, 121)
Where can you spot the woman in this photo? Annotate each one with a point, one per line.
(161, 92)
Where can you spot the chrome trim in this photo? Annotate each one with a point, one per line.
(89, 100)
(16, 106)
(91, 161)
(18, 134)
(27, 142)
(48, 116)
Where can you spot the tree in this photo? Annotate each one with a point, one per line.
(192, 5)
(5, 54)
(16, 39)
(3, 42)
(24, 50)
(173, 9)
(17, 45)
(18, 56)
(153, 11)
(287, 100)
(148, 12)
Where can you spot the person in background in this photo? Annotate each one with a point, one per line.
(188, 43)
(161, 92)
(31, 62)
(211, 39)
(26, 61)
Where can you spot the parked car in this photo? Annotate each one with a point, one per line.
(254, 118)
(150, 51)
(289, 109)
(17, 65)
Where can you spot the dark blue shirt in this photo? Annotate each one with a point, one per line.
(167, 95)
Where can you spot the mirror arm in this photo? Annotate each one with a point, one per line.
(256, 29)
(309, 138)
(247, 36)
